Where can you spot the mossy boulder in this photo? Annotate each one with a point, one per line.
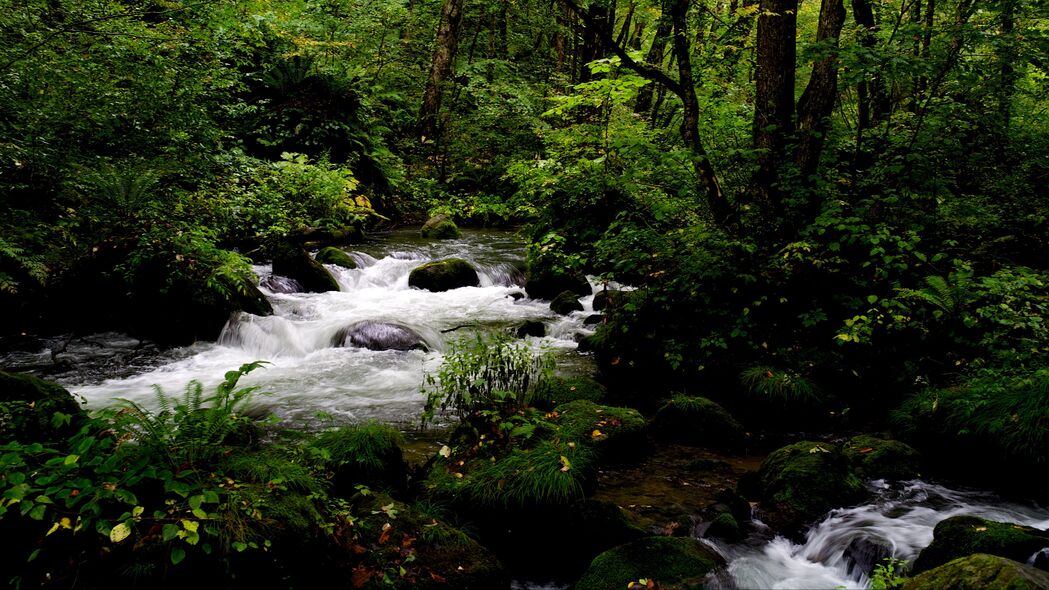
(566, 303)
(725, 526)
(292, 261)
(608, 299)
(548, 283)
(367, 453)
(879, 458)
(444, 275)
(440, 227)
(672, 562)
(980, 572)
(531, 328)
(696, 421)
(614, 432)
(803, 481)
(561, 390)
(29, 409)
(959, 536)
(336, 257)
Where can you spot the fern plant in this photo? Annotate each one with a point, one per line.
(779, 384)
(13, 255)
(189, 431)
(945, 295)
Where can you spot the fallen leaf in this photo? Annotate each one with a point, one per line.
(565, 464)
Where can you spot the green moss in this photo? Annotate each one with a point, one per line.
(959, 536)
(440, 227)
(697, 421)
(444, 275)
(293, 262)
(879, 458)
(31, 409)
(332, 255)
(565, 303)
(803, 481)
(559, 390)
(725, 526)
(369, 452)
(679, 561)
(590, 423)
(980, 572)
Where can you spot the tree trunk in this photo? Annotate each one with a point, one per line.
(774, 98)
(873, 101)
(441, 68)
(654, 58)
(1007, 57)
(817, 102)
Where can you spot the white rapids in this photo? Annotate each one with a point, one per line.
(306, 375)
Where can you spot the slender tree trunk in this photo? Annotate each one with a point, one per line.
(774, 98)
(719, 206)
(817, 102)
(873, 101)
(654, 58)
(1007, 57)
(441, 68)
(930, 20)
(502, 26)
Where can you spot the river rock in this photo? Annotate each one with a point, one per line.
(531, 328)
(803, 481)
(959, 536)
(379, 336)
(293, 262)
(335, 256)
(561, 390)
(608, 299)
(671, 562)
(879, 458)
(566, 303)
(543, 283)
(278, 284)
(444, 275)
(980, 572)
(440, 227)
(696, 421)
(29, 406)
(593, 319)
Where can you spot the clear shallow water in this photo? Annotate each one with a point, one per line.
(899, 521)
(307, 375)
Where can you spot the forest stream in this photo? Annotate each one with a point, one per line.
(312, 379)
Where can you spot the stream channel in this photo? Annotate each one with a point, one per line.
(308, 376)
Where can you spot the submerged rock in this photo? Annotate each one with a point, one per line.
(444, 275)
(959, 536)
(879, 458)
(671, 562)
(335, 256)
(696, 421)
(440, 227)
(803, 481)
(980, 572)
(379, 336)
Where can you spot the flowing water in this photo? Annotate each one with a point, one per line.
(839, 551)
(308, 375)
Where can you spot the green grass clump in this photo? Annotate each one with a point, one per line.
(585, 421)
(551, 473)
(368, 444)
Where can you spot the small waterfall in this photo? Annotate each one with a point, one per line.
(840, 551)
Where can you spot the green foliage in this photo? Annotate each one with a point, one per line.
(779, 385)
(891, 574)
(367, 445)
(484, 373)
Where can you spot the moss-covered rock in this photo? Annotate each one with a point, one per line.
(980, 572)
(565, 303)
(561, 390)
(337, 257)
(292, 261)
(444, 275)
(608, 299)
(672, 562)
(879, 458)
(615, 432)
(30, 409)
(803, 481)
(959, 536)
(725, 526)
(696, 421)
(547, 283)
(440, 227)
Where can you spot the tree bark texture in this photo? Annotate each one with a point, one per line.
(655, 56)
(441, 68)
(774, 96)
(817, 102)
